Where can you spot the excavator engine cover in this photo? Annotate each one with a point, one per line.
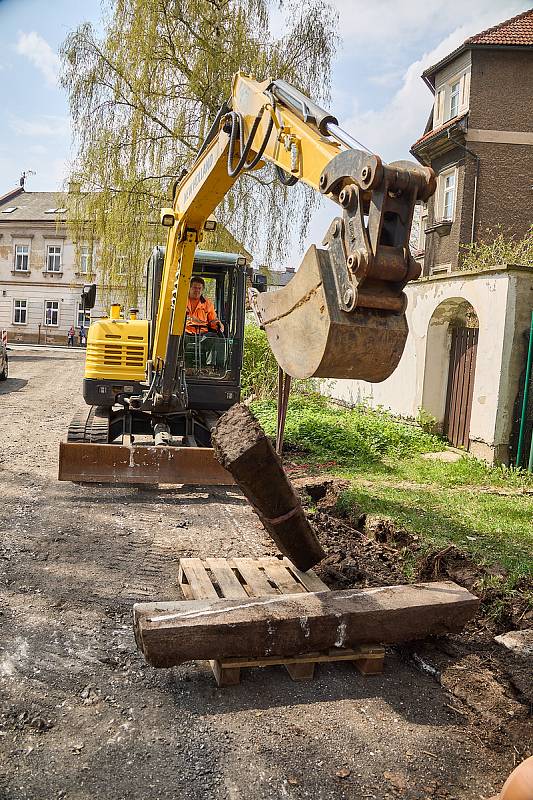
(311, 336)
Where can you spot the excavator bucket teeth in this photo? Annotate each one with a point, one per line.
(311, 336)
(86, 462)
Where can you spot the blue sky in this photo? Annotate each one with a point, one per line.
(377, 91)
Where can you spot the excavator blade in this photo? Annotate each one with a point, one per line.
(87, 462)
(311, 336)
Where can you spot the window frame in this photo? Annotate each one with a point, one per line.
(421, 244)
(87, 321)
(87, 257)
(51, 324)
(442, 107)
(16, 255)
(441, 195)
(457, 96)
(25, 309)
(59, 254)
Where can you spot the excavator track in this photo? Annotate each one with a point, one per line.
(90, 426)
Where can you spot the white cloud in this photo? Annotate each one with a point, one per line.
(40, 54)
(396, 24)
(46, 125)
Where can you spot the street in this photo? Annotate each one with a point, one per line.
(84, 716)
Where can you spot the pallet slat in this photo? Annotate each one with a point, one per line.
(230, 586)
(309, 579)
(256, 580)
(281, 576)
(197, 579)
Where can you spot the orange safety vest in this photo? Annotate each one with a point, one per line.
(205, 313)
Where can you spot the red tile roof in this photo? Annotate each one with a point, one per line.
(438, 130)
(517, 31)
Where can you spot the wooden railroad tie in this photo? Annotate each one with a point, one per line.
(238, 578)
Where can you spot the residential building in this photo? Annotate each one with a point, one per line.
(464, 360)
(42, 272)
(479, 141)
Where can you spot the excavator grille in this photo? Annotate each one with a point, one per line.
(116, 354)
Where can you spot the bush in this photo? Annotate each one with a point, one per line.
(347, 436)
(259, 377)
(498, 249)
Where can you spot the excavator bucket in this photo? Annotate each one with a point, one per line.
(311, 336)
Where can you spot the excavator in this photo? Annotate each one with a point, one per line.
(153, 393)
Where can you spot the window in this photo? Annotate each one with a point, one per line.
(82, 318)
(451, 98)
(22, 257)
(422, 229)
(454, 99)
(446, 199)
(85, 260)
(51, 312)
(55, 211)
(53, 258)
(9, 210)
(20, 312)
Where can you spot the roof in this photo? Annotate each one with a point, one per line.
(31, 206)
(430, 134)
(514, 32)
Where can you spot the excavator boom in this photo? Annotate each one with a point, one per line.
(342, 315)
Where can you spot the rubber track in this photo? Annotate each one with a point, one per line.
(90, 426)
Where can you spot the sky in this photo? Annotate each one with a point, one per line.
(377, 93)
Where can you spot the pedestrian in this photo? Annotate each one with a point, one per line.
(82, 336)
(70, 336)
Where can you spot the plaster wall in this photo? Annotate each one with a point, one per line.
(502, 299)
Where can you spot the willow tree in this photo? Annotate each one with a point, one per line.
(142, 97)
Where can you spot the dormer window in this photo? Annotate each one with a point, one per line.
(451, 98)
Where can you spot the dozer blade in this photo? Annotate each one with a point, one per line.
(311, 336)
(140, 464)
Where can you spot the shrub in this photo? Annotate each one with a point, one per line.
(498, 249)
(347, 436)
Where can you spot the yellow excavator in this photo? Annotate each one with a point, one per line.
(342, 315)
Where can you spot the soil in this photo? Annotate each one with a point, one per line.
(83, 715)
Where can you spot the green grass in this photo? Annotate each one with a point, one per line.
(462, 503)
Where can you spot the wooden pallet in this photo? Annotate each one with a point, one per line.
(236, 578)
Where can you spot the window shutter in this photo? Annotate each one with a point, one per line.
(439, 108)
(464, 92)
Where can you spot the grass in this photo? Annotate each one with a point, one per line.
(479, 508)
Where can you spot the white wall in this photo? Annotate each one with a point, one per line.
(501, 299)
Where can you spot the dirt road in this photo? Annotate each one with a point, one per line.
(83, 716)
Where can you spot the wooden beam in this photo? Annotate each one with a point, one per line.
(245, 452)
(170, 633)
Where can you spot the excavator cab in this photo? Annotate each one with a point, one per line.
(212, 360)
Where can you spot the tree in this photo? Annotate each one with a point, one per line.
(142, 98)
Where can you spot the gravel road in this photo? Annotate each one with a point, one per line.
(84, 716)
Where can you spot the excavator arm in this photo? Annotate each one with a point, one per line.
(342, 315)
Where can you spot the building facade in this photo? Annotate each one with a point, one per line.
(479, 141)
(464, 360)
(42, 272)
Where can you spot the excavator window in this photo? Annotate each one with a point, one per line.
(210, 355)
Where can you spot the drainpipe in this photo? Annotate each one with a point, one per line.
(523, 418)
(476, 179)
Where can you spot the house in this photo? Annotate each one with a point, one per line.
(42, 271)
(464, 360)
(479, 141)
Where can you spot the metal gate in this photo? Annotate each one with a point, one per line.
(460, 386)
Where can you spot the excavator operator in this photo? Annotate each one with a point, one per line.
(201, 314)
